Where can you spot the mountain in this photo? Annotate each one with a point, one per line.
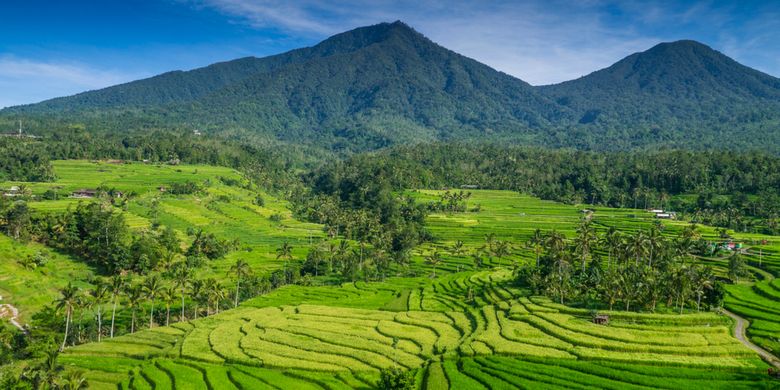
(387, 84)
(680, 91)
(363, 89)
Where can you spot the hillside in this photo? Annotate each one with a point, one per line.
(363, 89)
(675, 92)
(225, 207)
(386, 84)
(471, 326)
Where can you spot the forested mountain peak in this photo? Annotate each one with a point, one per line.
(681, 68)
(387, 84)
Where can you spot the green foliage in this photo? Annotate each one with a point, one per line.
(394, 378)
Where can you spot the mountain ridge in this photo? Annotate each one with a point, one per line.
(386, 84)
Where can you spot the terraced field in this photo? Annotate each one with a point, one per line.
(760, 304)
(498, 339)
(467, 328)
(228, 211)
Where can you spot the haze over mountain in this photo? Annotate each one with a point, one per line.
(387, 84)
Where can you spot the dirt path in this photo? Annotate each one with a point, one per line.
(739, 333)
(9, 311)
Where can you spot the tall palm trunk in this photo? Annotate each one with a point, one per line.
(167, 314)
(132, 322)
(182, 305)
(113, 315)
(238, 283)
(151, 317)
(100, 324)
(67, 329)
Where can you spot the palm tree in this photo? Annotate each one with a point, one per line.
(586, 236)
(45, 374)
(197, 290)
(117, 286)
(67, 301)
(457, 248)
(151, 288)
(537, 243)
(284, 252)
(168, 295)
(555, 242)
(433, 259)
(75, 380)
(134, 295)
(637, 246)
(477, 258)
(241, 270)
(98, 295)
(490, 240)
(612, 241)
(181, 279)
(502, 249)
(655, 242)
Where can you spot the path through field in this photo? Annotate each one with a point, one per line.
(8, 310)
(739, 333)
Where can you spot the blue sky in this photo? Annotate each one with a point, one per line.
(55, 48)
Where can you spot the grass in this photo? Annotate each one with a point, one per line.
(225, 210)
(468, 328)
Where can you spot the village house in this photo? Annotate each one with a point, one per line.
(12, 192)
(84, 193)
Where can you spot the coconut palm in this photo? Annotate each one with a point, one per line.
(98, 295)
(240, 270)
(181, 279)
(134, 295)
(67, 301)
(583, 242)
(433, 259)
(168, 296)
(116, 287)
(74, 380)
(537, 243)
(502, 249)
(284, 252)
(197, 292)
(152, 287)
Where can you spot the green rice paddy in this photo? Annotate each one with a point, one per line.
(469, 328)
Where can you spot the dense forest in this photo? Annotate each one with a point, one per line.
(728, 189)
(388, 85)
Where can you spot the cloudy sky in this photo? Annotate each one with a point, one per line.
(55, 48)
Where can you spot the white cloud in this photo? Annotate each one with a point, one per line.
(24, 80)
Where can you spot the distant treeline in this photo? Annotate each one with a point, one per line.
(26, 159)
(738, 190)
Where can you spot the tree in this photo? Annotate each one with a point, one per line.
(117, 286)
(395, 378)
(586, 237)
(74, 380)
(737, 267)
(67, 301)
(18, 220)
(181, 279)
(46, 373)
(152, 287)
(134, 295)
(502, 249)
(168, 295)
(284, 252)
(612, 240)
(98, 294)
(537, 243)
(240, 270)
(433, 259)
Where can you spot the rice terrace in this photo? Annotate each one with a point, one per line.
(349, 204)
